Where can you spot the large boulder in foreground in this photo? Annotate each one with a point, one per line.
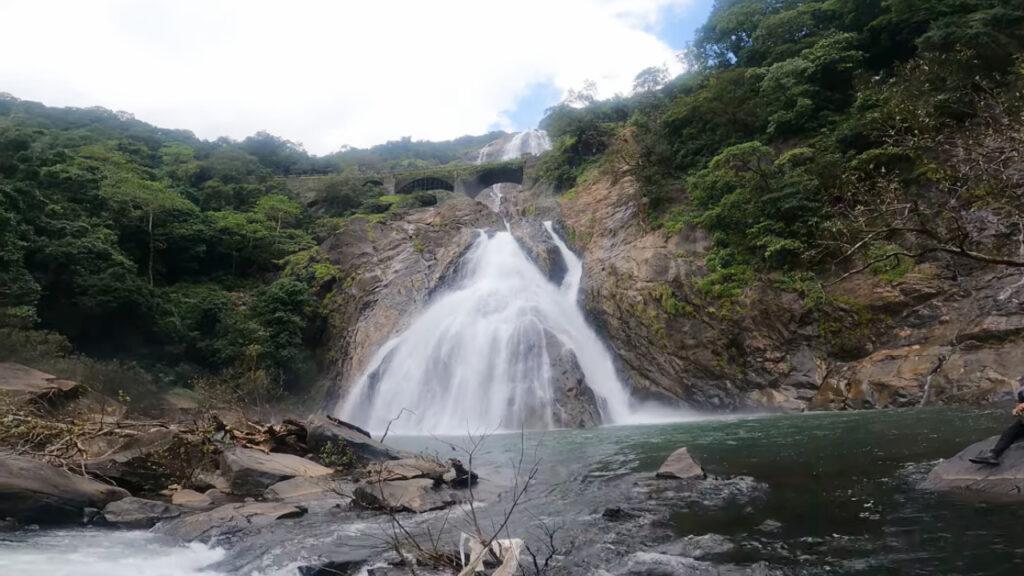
(680, 466)
(322, 431)
(250, 472)
(228, 519)
(34, 491)
(959, 475)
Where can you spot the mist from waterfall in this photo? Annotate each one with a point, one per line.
(477, 358)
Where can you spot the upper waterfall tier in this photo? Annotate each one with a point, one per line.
(529, 142)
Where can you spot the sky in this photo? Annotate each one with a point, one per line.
(328, 73)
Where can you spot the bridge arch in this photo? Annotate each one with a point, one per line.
(508, 174)
(425, 183)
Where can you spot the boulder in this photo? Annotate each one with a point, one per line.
(228, 519)
(406, 469)
(303, 489)
(134, 512)
(23, 383)
(142, 463)
(33, 491)
(680, 465)
(250, 472)
(417, 495)
(959, 475)
(191, 499)
(458, 476)
(575, 405)
(324, 430)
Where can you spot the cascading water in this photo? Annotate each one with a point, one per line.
(482, 355)
(477, 358)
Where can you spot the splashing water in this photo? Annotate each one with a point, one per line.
(103, 553)
(476, 358)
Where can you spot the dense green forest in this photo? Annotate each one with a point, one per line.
(811, 134)
(152, 247)
(808, 137)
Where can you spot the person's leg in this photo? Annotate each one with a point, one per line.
(991, 457)
(1012, 434)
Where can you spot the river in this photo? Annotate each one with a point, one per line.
(832, 493)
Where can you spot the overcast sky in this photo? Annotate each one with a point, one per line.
(329, 73)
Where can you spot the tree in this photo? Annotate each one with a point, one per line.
(279, 209)
(650, 79)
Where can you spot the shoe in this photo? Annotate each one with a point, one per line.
(988, 458)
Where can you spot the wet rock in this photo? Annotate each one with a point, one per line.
(958, 475)
(228, 520)
(698, 546)
(575, 405)
(324, 430)
(995, 327)
(22, 383)
(618, 514)
(406, 469)
(33, 491)
(538, 245)
(416, 495)
(769, 526)
(250, 472)
(191, 499)
(134, 512)
(680, 465)
(458, 476)
(392, 268)
(332, 568)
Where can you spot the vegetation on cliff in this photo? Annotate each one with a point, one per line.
(823, 135)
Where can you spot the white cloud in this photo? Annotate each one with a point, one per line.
(324, 73)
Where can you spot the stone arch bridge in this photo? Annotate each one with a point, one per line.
(468, 180)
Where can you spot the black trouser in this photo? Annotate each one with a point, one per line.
(1012, 434)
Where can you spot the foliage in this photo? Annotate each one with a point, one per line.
(804, 126)
(148, 245)
(336, 455)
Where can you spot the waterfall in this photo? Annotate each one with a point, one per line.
(477, 357)
(528, 142)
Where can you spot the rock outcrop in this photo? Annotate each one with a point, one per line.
(680, 466)
(19, 382)
(947, 331)
(323, 431)
(250, 472)
(417, 495)
(958, 475)
(139, 513)
(390, 271)
(33, 491)
(227, 520)
(575, 405)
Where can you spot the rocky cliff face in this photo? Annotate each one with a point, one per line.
(946, 332)
(390, 270)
